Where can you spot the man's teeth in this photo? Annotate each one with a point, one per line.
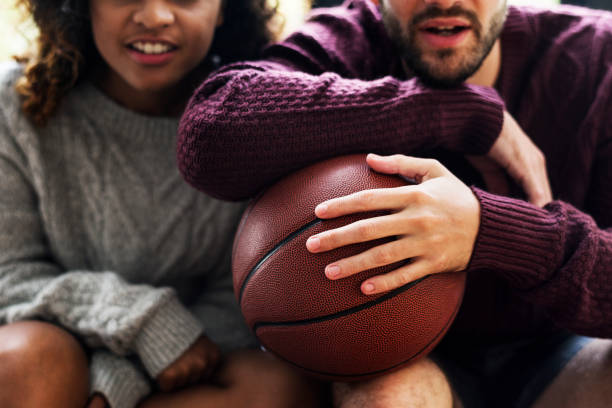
(446, 30)
(151, 48)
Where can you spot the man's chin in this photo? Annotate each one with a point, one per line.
(444, 70)
(435, 79)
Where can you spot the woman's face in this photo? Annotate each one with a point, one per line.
(151, 45)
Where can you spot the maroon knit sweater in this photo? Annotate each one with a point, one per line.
(336, 87)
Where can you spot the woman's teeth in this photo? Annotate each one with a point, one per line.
(151, 48)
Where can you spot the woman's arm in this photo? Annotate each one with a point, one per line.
(101, 308)
(117, 379)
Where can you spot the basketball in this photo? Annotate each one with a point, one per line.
(330, 329)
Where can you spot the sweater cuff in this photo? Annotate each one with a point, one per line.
(471, 119)
(166, 336)
(514, 240)
(122, 384)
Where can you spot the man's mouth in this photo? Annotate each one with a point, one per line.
(446, 31)
(445, 26)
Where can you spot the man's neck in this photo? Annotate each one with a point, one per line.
(489, 70)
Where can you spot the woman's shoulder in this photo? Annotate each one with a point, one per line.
(10, 72)
(15, 128)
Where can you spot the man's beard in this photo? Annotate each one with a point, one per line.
(439, 73)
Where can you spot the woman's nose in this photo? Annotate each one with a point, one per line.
(154, 14)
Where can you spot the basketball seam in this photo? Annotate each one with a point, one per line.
(273, 251)
(346, 312)
(370, 373)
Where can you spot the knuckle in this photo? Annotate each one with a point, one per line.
(329, 239)
(200, 364)
(366, 199)
(385, 284)
(364, 229)
(424, 222)
(167, 375)
(384, 255)
(437, 240)
(539, 193)
(419, 197)
(185, 371)
(434, 221)
(440, 264)
(434, 163)
(357, 265)
(401, 279)
(537, 159)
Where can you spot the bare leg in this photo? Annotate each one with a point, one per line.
(586, 381)
(247, 378)
(420, 384)
(41, 365)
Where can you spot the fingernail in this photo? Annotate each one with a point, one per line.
(313, 243)
(321, 209)
(332, 271)
(368, 288)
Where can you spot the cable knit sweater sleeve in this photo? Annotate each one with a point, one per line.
(118, 379)
(559, 257)
(325, 91)
(102, 307)
(120, 321)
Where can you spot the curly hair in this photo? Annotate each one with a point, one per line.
(66, 48)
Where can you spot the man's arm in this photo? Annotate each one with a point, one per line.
(560, 257)
(557, 257)
(325, 91)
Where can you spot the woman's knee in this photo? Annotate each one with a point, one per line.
(420, 384)
(273, 382)
(41, 365)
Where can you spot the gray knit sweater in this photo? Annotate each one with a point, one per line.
(100, 235)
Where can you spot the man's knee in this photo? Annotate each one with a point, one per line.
(41, 365)
(420, 384)
(585, 380)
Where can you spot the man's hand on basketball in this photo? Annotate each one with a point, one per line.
(195, 365)
(435, 221)
(524, 162)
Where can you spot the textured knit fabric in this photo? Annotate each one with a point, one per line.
(100, 234)
(337, 86)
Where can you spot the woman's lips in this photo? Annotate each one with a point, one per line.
(151, 59)
(151, 51)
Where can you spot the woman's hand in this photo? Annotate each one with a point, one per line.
(195, 365)
(97, 401)
(435, 221)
